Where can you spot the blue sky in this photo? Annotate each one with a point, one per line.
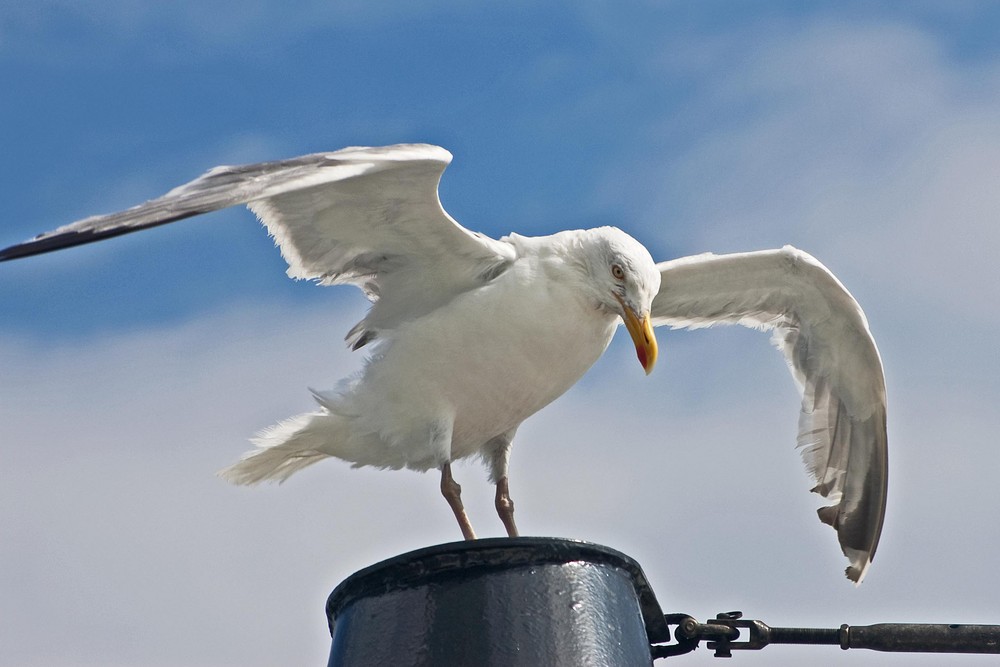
(865, 133)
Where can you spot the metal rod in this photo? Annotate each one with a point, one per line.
(721, 636)
(804, 636)
(924, 638)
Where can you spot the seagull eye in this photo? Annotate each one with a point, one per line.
(617, 272)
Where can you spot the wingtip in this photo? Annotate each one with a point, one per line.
(857, 573)
(17, 251)
(860, 561)
(41, 245)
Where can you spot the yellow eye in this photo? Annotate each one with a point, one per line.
(618, 272)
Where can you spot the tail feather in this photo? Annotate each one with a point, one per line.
(285, 448)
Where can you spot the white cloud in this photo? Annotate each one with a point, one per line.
(864, 140)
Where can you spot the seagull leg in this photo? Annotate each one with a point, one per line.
(505, 507)
(452, 492)
(497, 452)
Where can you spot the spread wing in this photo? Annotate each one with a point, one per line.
(825, 338)
(364, 216)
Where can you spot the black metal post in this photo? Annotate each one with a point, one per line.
(492, 602)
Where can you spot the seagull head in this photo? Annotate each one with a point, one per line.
(625, 279)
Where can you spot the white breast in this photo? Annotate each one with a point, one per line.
(488, 360)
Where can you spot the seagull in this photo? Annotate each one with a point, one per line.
(468, 336)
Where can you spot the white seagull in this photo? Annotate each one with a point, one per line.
(469, 336)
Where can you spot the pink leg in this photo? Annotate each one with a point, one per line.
(452, 492)
(505, 507)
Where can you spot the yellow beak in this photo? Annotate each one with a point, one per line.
(641, 331)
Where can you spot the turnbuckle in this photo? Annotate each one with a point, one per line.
(690, 633)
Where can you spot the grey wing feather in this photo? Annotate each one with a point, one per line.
(364, 216)
(826, 341)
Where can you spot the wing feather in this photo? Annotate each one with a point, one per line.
(824, 336)
(364, 216)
